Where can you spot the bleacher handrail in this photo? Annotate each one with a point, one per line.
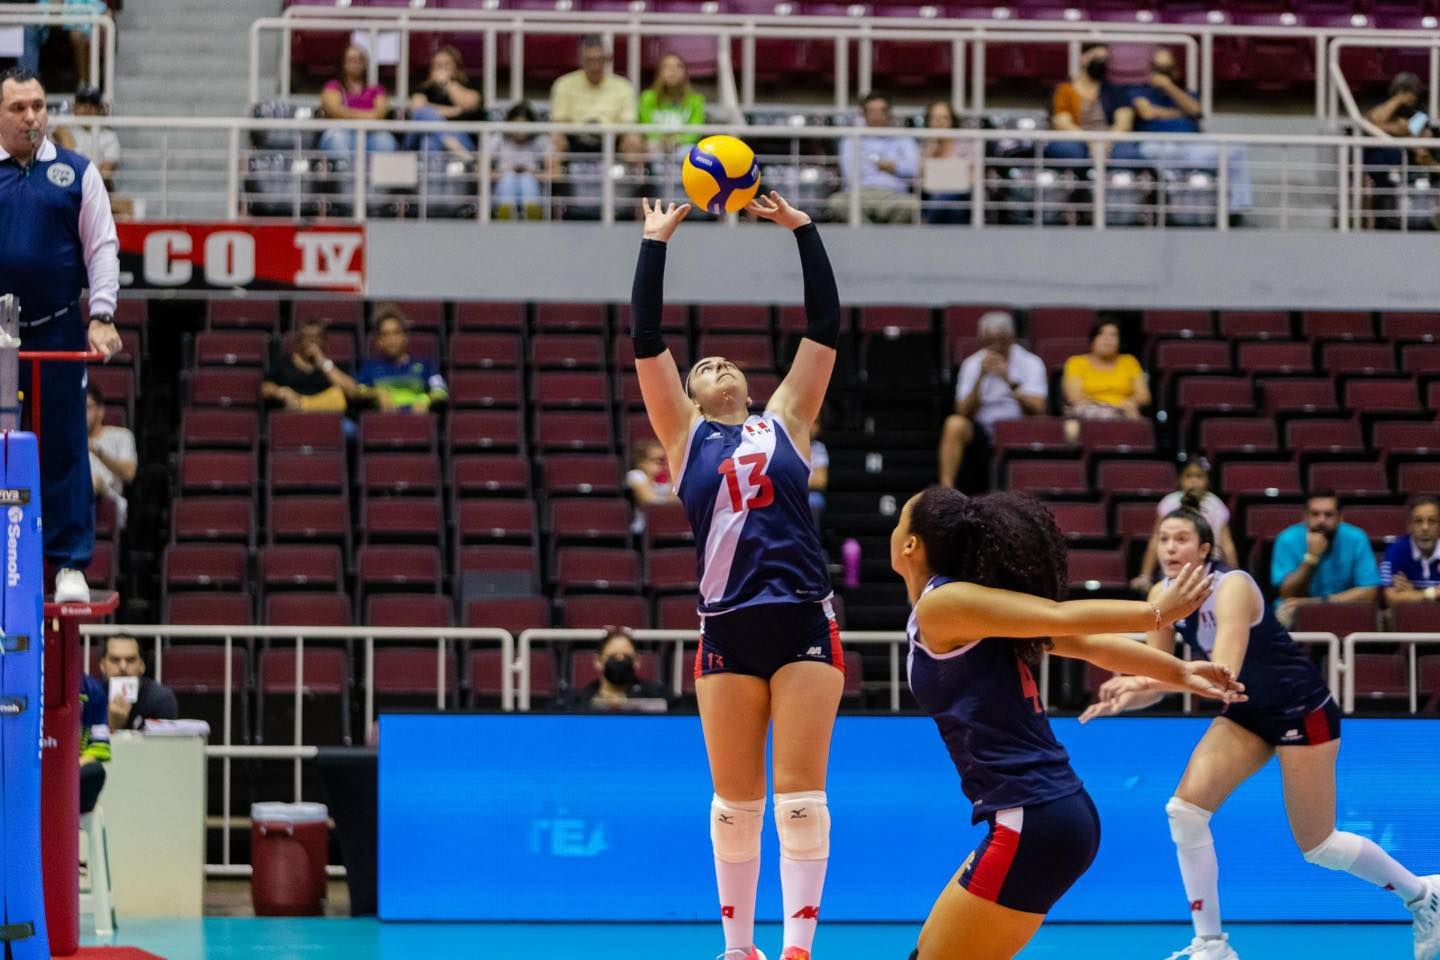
(101, 42)
(747, 26)
(1411, 642)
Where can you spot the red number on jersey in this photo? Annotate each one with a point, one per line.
(764, 489)
(1027, 685)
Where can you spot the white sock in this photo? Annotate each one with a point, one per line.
(737, 883)
(1200, 869)
(801, 883)
(1375, 865)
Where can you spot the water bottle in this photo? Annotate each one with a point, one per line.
(850, 559)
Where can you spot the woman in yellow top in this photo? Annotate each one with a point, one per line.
(1103, 384)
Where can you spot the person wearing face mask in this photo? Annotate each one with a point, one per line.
(618, 678)
(1088, 101)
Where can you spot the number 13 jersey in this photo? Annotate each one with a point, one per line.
(985, 701)
(746, 491)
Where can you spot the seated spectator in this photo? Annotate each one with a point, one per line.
(1400, 117)
(447, 94)
(1000, 381)
(1194, 494)
(112, 455)
(99, 144)
(887, 172)
(1103, 384)
(593, 94)
(1322, 559)
(353, 97)
(94, 741)
(122, 658)
(1088, 101)
(671, 103)
(79, 34)
(1410, 571)
(520, 162)
(618, 684)
(395, 379)
(648, 481)
(1162, 105)
(819, 474)
(303, 378)
(947, 169)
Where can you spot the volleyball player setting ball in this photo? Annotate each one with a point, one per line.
(770, 647)
(984, 576)
(1290, 713)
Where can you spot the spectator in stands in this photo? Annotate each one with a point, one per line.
(593, 94)
(1398, 116)
(1088, 101)
(94, 741)
(99, 144)
(447, 94)
(1162, 105)
(1322, 559)
(1103, 384)
(395, 379)
(1410, 571)
(79, 35)
(618, 685)
(888, 168)
(353, 97)
(648, 480)
(1000, 381)
(520, 161)
(1194, 493)
(303, 378)
(947, 169)
(121, 658)
(673, 104)
(819, 474)
(112, 455)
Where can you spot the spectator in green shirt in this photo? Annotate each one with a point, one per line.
(671, 103)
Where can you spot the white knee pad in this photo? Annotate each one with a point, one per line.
(735, 828)
(1189, 824)
(803, 822)
(1339, 851)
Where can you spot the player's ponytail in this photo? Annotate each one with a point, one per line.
(1004, 540)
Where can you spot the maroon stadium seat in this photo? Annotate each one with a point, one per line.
(566, 390)
(232, 348)
(746, 351)
(596, 568)
(292, 432)
(1081, 521)
(333, 313)
(1177, 323)
(400, 474)
(217, 472)
(484, 675)
(485, 351)
(207, 428)
(484, 431)
(569, 317)
(199, 609)
(485, 388)
(1368, 395)
(1135, 478)
(590, 520)
(1097, 570)
(587, 474)
(1275, 356)
(1410, 326)
(1350, 480)
(212, 518)
(380, 430)
(410, 610)
(413, 671)
(677, 613)
(1337, 618)
(1048, 478)
(209, 566)
(1045, 323)
(483, 474)
(426, 316)
(1324, 436)
(471, 315)
(257, 314)
(552, 351)
(221, 387)
(591, 612)
(1336, 325)
(1308, 395)
(1413, 479)
(1118, 436)
(308, 519)
(1233, 395)
(1031, 433)
(1264, 521)
(1260, 479)
(1381, 521)
(306, 473)
(404, 568)
(557, 430)
(495, 520)
(1255, 325)
(1222, 436)
(1192, 356)
(1352, 358)
(515, 614)
(1420, 358)
(1406, 437)
(317, 567)
(672, 569)
(735, 318)
(666, 522)
(674, 318)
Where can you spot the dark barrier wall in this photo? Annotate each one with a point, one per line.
(604, 818)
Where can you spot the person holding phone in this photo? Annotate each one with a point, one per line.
(1322, 559)
(133, 697)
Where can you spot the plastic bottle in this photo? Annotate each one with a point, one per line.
(850, 559)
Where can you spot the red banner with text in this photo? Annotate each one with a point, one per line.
(241, 256)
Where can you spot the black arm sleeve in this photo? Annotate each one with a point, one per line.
(647, 300)
(822, 299)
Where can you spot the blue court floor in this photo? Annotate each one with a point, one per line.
(272, 939)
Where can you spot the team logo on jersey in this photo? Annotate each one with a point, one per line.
(61, 174)
(758, 428)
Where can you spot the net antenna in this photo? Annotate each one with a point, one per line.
(9, 363)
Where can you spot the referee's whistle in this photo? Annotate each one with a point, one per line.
(33, 134)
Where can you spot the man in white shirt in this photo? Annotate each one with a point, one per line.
(112, 454)
(1000, 381)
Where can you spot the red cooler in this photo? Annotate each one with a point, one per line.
(287, 854)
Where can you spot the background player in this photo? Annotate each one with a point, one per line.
(961, 558)
(1290, 713)
(770, 648)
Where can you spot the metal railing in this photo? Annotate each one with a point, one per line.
(260, 168)
(967, 40)
(102, 40)
(1411, 642)
(297, 752)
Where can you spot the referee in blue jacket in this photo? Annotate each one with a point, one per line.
(57, 236)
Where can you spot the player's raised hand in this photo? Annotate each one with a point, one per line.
(1213, 681)
(1185, 594)
(771, 206)
(661, 220)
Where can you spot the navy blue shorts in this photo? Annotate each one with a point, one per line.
(1033, 854)
(759, 640)
(1302, 726)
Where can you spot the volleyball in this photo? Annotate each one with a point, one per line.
(720, 174)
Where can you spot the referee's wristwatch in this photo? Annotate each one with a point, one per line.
(106, 318)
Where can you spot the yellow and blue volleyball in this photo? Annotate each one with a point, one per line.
(720, 174)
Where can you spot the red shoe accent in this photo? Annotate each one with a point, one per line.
(795, 953)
